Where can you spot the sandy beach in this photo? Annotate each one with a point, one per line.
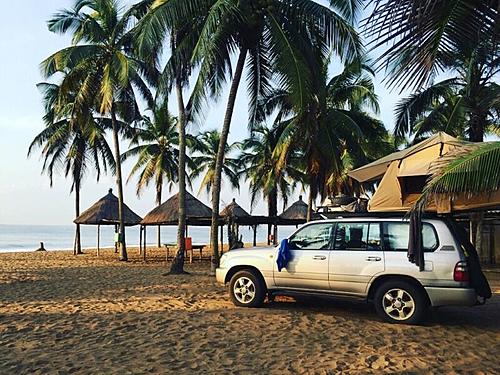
(63, 314)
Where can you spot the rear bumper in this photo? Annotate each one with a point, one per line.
(220, 275)
(451, 296)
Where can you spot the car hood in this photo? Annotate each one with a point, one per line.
(252, 250)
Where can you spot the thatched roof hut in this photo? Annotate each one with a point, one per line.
(167, 213)
(234, 210)
(295, 214)
(105, 212)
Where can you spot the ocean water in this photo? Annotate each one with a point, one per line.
(61, 237)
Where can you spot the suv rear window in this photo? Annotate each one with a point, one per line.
(396, 237)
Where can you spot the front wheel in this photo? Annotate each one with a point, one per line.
(247, 289)
(400, 302)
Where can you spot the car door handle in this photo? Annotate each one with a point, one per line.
(319, 257)
(373, 259)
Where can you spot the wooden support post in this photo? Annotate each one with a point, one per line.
(222, 239)
(255, 235)
(275, 235)
(140, 239)
(116, 243)
(98, 237)
(144, 248)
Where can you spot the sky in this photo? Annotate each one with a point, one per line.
(25, 194)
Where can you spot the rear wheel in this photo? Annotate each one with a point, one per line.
(400, 302)
(247, 289)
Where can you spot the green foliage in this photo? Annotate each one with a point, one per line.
(68, 144)
(334, 123)
(260, 170)
(204, 147)
(466, 105)
(99, 65)
(423, 33)
(155, 145)
(279, 35)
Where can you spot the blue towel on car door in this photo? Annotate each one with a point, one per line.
(284, 255)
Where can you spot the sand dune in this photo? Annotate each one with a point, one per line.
(64, 314)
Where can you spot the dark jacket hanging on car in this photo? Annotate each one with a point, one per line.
(416, 253)
(415, 243)
(477, 279)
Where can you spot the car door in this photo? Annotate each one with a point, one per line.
(356, 257)
(310, 250)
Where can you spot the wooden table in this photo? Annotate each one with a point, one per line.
(194, 246)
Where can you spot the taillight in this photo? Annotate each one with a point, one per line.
(461, 273)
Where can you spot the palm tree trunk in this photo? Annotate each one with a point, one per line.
(310, 204)
(272, 211)
(476, 126)
(158, 202)
(220, 157)
(177, 266)
(123, 247)
(478, 243)
(78, 242)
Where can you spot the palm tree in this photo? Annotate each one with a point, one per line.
(101, 69)
(156, 149)
(206, 146)
(466, 105)
(333, 123)
(149, 38)
(71, 144)
(274, 37)
(260, 169)
(423, 33)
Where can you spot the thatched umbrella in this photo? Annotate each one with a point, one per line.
(105, 212)
(234, 210)
(295, 214)
(167, 213)
(231, 213)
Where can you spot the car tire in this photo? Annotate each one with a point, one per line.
(398, 301)
(247, 289)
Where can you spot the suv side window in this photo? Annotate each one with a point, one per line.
(312, 237)
(396, 236)
(357, 236)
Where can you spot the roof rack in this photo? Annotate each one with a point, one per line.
(341, 215)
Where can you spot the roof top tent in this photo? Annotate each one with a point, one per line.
(403, 175)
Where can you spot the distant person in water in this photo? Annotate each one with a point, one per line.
(41, 248)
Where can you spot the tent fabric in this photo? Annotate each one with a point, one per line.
(415, 163)
(377, 169)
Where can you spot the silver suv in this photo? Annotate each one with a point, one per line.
(364, 258)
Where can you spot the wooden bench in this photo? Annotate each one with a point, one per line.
(199, 247)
